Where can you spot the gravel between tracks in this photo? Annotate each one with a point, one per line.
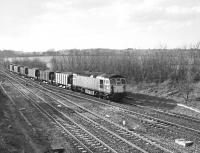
(121, 120)
(19, 137)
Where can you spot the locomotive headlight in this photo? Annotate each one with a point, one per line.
(108, 87)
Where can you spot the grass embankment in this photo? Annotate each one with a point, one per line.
(13, 138)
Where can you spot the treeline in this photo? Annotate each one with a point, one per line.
(9, 53)
(12, 53)
(149, 65)
(35, 63)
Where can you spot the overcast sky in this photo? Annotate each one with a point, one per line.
(35, 25)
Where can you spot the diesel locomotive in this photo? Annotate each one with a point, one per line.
(107, 86)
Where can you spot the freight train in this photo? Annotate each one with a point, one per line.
(106, 86)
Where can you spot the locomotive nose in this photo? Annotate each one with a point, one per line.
(119, 89)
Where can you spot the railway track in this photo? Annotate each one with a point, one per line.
(186, 122)
(85, 141)
(83, 108)
(123, 133)
(128, 149)
(62, 125)
(167, 119)
(156, 124)
(142, 108)
(173, 114)
(128, 136)
(163, 114)
(175, 130)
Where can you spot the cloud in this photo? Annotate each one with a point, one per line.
(14, 15)
(84, 5)
(157, 12)
(180, 3)
(77, 4)
(101, 23)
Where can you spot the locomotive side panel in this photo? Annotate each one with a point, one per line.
(86, 82)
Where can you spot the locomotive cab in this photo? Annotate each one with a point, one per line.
(118, 85)
(114, 86)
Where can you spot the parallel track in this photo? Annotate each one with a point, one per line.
(127, 134)
(86, 140)
(155, 117)
(150, 113)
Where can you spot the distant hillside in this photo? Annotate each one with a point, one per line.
(93, 52)
(11, 53)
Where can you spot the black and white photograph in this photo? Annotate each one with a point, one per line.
(99, 76)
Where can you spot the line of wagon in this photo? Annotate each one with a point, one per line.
(108, 86)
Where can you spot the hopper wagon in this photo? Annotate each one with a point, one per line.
(24, 70)
(11, 67)
(34, 73)
(64, 79)
(47, 76)
(16, 68)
